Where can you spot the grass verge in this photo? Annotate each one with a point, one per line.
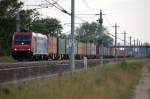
(112, 81)
(6, 58)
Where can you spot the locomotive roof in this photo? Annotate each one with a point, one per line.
(40, 35)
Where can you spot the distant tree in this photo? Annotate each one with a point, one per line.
(48, 26)
(92, 32)
(9, 8)
(8, 12)
(27, 17)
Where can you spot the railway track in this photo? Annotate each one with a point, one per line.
(15, 72)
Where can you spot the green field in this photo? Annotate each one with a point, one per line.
(111, 81)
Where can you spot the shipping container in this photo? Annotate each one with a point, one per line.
(118, 51)
(93, 49)
(62, 46)
(52, 48)
(122, 52)
(80, 50)
(88, 49)
(105, 52)
(84, 49)
(112, 52)
(97, 50)
(0, 47)
(129, 52)
(1, 42)
(108, 52)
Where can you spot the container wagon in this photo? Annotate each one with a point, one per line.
(37, 46)
(52, 48)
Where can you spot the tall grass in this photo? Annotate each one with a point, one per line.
(6, 58)
(111, 81)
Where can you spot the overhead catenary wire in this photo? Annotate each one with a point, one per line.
(87, 5)
(55, 4)
(65, 11)
(89, 8)
(108, 21)
(118, 28)
(114, 36)
(43, 4)
(59, 7)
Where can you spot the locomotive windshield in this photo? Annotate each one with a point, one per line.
(22, 39)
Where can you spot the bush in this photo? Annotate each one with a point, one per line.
(131, 65)
(124, 65)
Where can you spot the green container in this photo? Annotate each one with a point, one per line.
(62, 45)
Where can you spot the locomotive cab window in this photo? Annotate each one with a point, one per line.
(22, 39)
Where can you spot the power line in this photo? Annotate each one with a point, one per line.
(85, 14)
(59, 7)
(37, 5)
(114, 36)
(56, 0)
(86, 4)
(108, 21)
(81, 19)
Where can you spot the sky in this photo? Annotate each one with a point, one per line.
(132, 16)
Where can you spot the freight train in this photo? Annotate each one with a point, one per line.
(37, 46)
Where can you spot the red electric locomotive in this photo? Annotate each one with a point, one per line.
(29, 45)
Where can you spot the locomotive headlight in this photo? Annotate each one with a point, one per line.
(29, 49)
(15, 49)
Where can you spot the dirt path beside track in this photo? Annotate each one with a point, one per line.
(143, 89)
